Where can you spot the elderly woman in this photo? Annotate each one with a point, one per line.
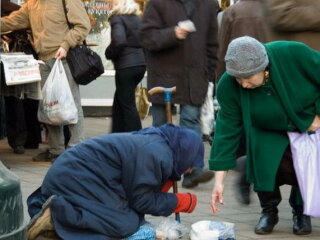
(103, 187)
(267, 90)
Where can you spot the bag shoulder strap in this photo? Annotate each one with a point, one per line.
(65, 14)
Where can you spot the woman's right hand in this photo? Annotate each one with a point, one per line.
(217, 192)
(315, 125)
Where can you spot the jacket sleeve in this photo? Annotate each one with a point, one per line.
(118, 38)
(224, 39)
(79, 19)
(153, 35)
(212, 41)
(289, 15)
(153, 170)
(229, 127)
(16, 20)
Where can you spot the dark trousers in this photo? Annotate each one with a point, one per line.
(22, 125)
(125, 117)
(285, 175)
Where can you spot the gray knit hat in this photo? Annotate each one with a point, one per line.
(245, 56)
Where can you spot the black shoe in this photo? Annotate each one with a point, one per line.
(197, 176)
(243, 193)
(45, 157)
(266, 223)
(301, 224)
(18, 150)
(207, 138)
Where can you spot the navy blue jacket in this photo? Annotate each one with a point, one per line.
(125, 49)
(104, 185)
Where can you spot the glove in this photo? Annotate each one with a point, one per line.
(186, 202)
(166, 186)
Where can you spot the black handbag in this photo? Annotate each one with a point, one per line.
(85, 65)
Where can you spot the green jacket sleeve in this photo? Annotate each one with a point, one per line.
(229, 127)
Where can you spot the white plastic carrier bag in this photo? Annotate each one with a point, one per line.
(57, 106)
(305, 148)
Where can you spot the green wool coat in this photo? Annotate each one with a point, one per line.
(289, 101)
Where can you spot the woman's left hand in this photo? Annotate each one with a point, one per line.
(315, 125)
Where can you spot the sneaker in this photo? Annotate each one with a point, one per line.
(45, 157)
(197, 176)
(18, 150)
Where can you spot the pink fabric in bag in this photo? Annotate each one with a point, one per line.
(306, 161)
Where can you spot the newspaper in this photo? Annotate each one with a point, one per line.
(20, 68)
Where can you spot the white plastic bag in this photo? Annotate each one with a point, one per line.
(212, 230)
(207, 112)
(57, 106)
(305, 150)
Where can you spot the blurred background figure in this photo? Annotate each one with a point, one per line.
(183, 55)
(294, 20)
(20, 101)
(52, 40)
(128, 59)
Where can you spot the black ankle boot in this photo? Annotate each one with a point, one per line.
(301, 224)
(266, 223)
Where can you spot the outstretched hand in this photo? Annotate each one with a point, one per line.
(216, 197)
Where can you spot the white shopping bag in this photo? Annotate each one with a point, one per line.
(305, 150)
(20, 68)
(207, 112)
(57, 106)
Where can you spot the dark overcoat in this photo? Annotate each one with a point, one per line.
(187, 64)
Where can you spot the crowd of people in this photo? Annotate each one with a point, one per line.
(263, 58)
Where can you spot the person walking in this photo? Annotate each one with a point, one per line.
(180, 38)
(103, 187)
(128, 59)
(267, 90)
(52, 40)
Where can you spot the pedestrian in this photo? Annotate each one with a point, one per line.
(52, 40)
(245, 18)
(103, 187)
(296, 20)
(267, 90)
(180, 38)
(20, 101)
(128, 59)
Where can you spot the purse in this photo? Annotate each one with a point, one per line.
(142, 102)
(85, 65)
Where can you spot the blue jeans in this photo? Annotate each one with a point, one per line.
(189, 116)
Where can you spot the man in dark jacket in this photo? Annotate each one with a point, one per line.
(181, 55)
(103, 187)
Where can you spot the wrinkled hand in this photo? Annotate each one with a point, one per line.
(217, 197)
(61, 53)
(315, 125)
(181, 33)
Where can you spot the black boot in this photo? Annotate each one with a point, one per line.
(266, 223)
(197, 176)
(301, 222)
(269, 202)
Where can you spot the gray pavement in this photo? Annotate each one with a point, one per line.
(245, 217)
